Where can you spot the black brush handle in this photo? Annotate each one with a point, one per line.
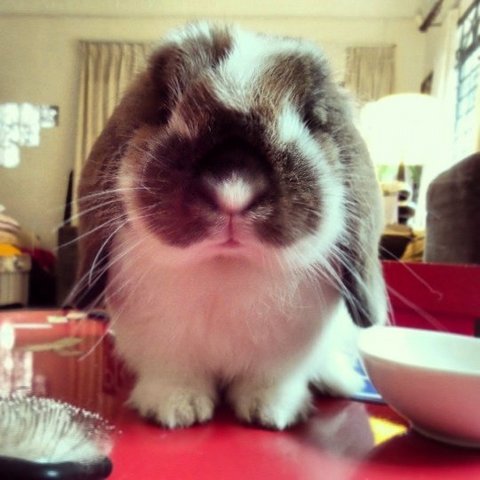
(18, 469)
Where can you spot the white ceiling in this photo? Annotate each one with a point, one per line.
(210, 8)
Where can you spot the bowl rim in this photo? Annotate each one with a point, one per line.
(364, 353)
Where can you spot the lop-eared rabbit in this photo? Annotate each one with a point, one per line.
(229, 222)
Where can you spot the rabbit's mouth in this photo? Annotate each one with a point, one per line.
(234, 233)
(231, 243)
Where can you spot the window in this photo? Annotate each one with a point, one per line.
(468, 58)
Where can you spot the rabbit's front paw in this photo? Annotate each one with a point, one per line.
(272, 406)
(173, 406)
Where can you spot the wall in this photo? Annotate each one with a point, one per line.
(39, 61)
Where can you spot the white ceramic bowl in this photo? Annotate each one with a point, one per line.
(430, 378)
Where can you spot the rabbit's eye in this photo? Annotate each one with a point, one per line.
(315, 116)
(163, 115)
(157, 116)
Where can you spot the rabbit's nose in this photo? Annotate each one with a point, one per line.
(233, 178)
(233, 195)
(238, 194)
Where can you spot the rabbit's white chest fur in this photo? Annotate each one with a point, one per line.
(224, 322)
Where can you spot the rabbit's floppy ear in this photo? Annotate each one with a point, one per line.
(148, 103)
(100, 213)
(363, 287)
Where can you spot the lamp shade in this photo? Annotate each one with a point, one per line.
(403, 128)
(408, 128)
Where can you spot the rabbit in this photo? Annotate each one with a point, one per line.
(229, 222)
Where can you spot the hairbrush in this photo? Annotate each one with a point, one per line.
(42, 438)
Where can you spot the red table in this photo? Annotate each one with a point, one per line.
(342, 440)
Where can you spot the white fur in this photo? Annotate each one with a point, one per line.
(314, 247)
(233, 194)
(291, 129)
(238, 75)
(236, 80)
(223, 320)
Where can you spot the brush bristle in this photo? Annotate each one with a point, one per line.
(49, 431)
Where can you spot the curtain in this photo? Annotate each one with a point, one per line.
(370, 72)
(106, 70)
